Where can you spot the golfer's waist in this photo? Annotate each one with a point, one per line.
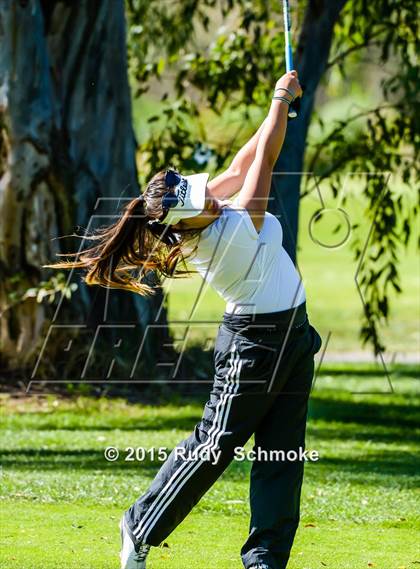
(267, 322)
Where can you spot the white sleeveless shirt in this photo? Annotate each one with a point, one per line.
(251, 271)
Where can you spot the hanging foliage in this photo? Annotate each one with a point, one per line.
(236, 69)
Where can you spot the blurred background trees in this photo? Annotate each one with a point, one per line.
(224, 55)
(201, 74)
(67, 159)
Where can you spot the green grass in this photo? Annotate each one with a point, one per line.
(61, 500)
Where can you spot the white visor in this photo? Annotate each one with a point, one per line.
(191, 194)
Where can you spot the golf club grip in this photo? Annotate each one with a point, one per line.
(294, 109)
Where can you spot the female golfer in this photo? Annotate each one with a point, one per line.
(264, 350)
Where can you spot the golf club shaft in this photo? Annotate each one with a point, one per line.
(287, 34)
(294, 106)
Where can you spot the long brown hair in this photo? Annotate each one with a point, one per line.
(135, 241)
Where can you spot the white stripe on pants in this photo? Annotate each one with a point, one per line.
(188, 468)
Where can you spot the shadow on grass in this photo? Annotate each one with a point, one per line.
(45, 459)
(378, 420)
(384, 413)
(395, 417)
(161, 423)
(353, 432)
(380, 468)
(390, 466)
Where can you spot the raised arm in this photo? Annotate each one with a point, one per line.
(256, 188)
(229, 182)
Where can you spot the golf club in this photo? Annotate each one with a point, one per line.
(295, 105)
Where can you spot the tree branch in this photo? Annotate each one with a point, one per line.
(340, 57)
(342, 125)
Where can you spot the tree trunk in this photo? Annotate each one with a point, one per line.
(317, 30)
(67, 156)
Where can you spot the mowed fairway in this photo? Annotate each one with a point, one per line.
(61, 500)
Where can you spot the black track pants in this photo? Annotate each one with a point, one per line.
(263, 375)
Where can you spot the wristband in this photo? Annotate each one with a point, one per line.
(279, 98)
(287, 91)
